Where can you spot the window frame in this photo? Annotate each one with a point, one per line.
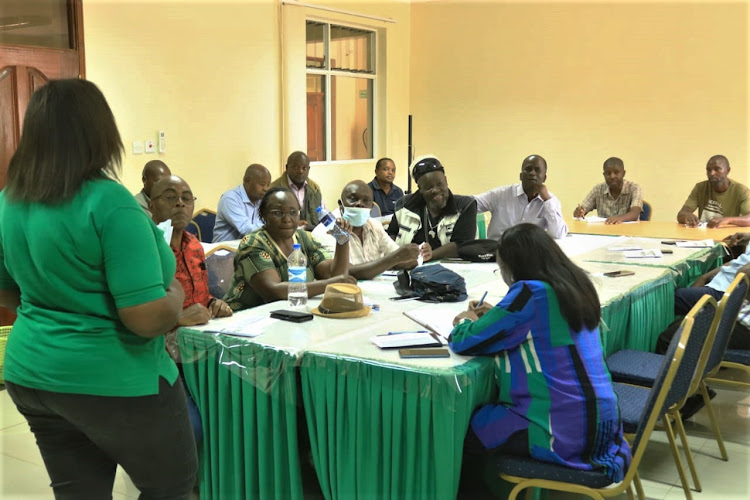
(327, 73)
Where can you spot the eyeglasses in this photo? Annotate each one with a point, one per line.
(279, 214)
(425, 166)
(172, 198)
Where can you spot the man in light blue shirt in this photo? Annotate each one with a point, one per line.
(238, 214)
(713, 283)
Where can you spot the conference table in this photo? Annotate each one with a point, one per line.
(651, 229)
(380, 426)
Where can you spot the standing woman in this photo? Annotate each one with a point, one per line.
(556, 401)
(92, 281)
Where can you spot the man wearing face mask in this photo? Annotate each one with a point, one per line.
(371, 251)
(434, 215)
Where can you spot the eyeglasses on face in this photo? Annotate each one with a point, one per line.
(279, 214)
(172, 198)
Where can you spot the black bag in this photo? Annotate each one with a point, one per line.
(478, 250)
(433, 283)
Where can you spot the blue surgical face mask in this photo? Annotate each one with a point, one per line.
(355, 216)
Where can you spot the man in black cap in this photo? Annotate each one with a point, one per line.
(434, 216)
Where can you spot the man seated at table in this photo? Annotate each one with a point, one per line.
(527, 201)
(714, 283)
(171, 198)
(616, 199)
(719, 200)
(152, 172)
(305, 189)
(237, 213)
(371, 251)
(434, 215)
(385, 192)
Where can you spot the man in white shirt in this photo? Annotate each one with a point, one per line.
(371, 250)
(527, 201)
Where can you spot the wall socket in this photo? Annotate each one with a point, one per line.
(150, 147)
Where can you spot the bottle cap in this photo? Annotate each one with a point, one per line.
(319, 209)
(296, 246)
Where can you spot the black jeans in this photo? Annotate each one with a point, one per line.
(82, 438)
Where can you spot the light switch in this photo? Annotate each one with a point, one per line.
(150, 147)
(162, 141)
(137, 147)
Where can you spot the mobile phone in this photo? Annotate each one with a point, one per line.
(435, 352)
(668, 242)
(406, 297)
(667, 251)
(293, 316)
(617, 274)
(455, 260)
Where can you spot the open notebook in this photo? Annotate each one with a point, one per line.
(438, 319)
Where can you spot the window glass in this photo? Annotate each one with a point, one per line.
(351, 118)
(39, 23)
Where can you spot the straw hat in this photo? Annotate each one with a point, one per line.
(342, 300)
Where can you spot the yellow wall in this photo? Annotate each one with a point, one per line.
(661, 85)
(209, 73)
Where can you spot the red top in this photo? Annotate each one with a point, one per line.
(191, 271)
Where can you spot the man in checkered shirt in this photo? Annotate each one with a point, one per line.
(616, 199)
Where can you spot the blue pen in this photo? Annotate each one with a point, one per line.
(408, 331)
(481, 301)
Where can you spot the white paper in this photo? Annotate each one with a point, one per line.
(166, 227)
(640, 254)
(420, 258)
(623, 248)
(405, 340)
(439, 320)
(709, 243)
(593, 218)
(238, 325)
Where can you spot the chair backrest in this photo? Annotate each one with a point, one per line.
(220, 267)
(205, 219)
(663, 394)
(481, 226)
(375, 210)
(645, 211)
(194, 229)
(726, 317)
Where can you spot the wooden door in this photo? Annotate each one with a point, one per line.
(39, 41)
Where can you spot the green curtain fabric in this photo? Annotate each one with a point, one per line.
(246, 394)
(382, 432)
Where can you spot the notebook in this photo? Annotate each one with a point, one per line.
(436, 319)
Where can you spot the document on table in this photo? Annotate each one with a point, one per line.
(242, 326)
(623, 248)
(439, 320)
(640, 254)
(414, 339)
(709, 243)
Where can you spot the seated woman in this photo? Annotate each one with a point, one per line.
(556, 401)
(261, 273)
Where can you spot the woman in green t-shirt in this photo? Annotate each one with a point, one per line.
(92, 281)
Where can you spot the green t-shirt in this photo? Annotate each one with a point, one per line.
(76, 264)
(733, 202)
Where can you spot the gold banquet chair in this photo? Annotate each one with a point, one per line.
(530, 473)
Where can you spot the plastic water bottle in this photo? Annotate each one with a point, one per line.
(297, 291)
(329, 221)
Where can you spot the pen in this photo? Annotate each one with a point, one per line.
(407, 331)
(481, 301)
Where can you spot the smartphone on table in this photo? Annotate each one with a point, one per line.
(618, 274)
(293, 316)
(435, 352)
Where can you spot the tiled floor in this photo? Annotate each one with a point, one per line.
(23, 477)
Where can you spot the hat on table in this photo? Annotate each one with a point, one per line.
(342, 300)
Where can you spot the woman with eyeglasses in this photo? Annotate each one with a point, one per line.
(556, 401)
(260, 272)
(92, 281)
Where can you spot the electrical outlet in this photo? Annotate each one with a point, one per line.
(137, 147)
(162, 141)
(150, 147)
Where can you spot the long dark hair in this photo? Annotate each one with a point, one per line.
(69, 136)
(531, 254)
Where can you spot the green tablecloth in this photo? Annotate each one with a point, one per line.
(247, 397)
(384, 432)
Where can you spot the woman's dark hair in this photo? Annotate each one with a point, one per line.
(266, 198)
(69, 136)
(531, 254)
